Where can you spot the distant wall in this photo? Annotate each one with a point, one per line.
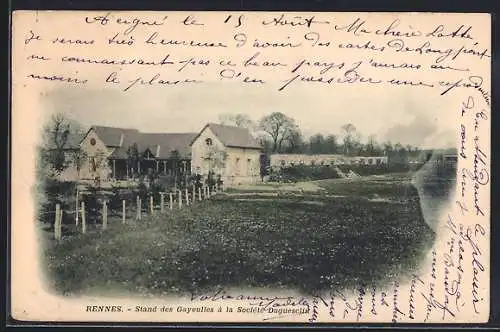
(287, 160)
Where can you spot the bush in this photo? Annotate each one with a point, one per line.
(93, 205)
(115, 200)
(211, 180)
(304, 173)
(156, 189)
(375, 169)
(196, 180)
(55, 192)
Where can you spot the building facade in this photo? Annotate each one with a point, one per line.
(111, 153)
(231, 152)
(122, 153)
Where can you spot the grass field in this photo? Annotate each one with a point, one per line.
(344, 234)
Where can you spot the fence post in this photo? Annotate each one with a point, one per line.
(151, 203)
(57, 223)
(77, 206)
(187, 197)
(140, 208)
(123, 211)
(199, 194)
(60, 223)
(104, 215)
(208, 191)
(84, 224)
(171, 201)
(194, 193)
(180, 199)
(162, 202)
(137, 207)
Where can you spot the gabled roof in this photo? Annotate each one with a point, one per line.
(113, 136)
(161, 145)
(230, 136)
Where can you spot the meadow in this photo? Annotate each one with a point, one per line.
(335, 233)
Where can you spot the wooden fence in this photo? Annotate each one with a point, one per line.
(168, 202)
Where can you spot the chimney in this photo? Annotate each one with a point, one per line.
(158, 151)
(121, 139)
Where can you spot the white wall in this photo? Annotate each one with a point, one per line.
(98, 151)
(239, 165)
(243, 166)
(200, 151)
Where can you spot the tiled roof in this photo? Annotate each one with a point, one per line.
(162, 145)
(112, 136)
(233, 136)
(119, 153)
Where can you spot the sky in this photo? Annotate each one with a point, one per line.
(406, 117)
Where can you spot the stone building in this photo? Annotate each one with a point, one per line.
(228, 151)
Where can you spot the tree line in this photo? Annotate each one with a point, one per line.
(279, 133)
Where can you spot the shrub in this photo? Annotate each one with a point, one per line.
(156, 189)
(375, 169)
(93, 205)
(303, 173)
(211, 179)
(196, 180)
(55, 192)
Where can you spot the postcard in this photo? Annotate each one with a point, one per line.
(307, 167)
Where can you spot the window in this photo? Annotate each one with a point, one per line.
(370, 161)
(237, 165)
(283, 163)
(92, 141)
(378, 161)
(313, 162)
(208, 141)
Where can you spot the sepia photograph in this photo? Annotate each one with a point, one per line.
(276, 167)
(239, 203)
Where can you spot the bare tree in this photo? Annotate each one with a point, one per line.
(348, 130)
(388, 147)
(56, 135)
(238, 120)
(331, 144)
(133, 158)
(316, 143)
(295, 141)
(78, 158)
(279, 127)
(371, 144)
